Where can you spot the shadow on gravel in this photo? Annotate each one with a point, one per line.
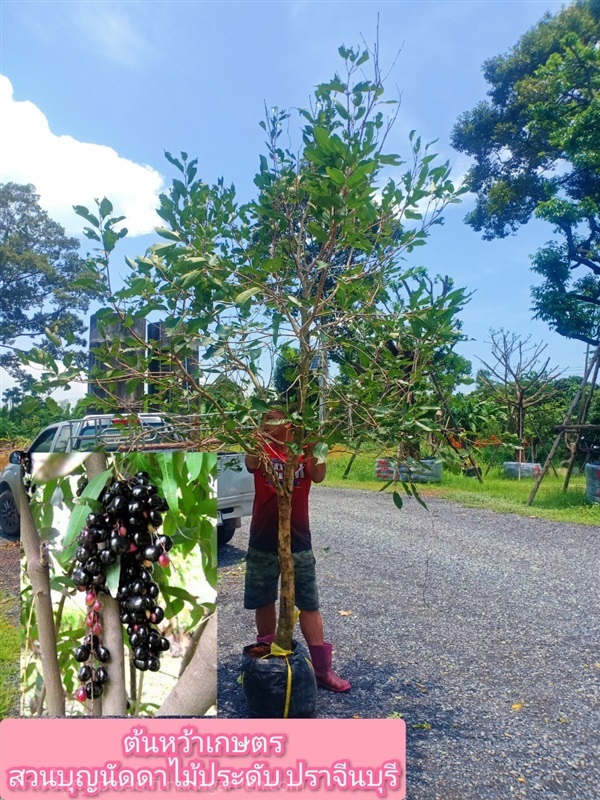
(229, 556)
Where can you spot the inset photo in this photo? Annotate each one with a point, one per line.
(118, 584)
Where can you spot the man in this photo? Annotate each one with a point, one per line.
(262, 562)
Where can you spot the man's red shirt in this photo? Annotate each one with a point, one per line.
(264, 526)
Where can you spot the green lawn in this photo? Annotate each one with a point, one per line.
(497, 493)
(9, 662)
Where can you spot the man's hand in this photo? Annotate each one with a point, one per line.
(316, 471)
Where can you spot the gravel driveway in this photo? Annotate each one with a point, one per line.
(482, 630)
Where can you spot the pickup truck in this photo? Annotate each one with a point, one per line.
(235, 486)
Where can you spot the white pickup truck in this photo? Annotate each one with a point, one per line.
(235, 486)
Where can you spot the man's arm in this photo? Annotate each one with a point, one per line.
(316, 472)
(252, 462)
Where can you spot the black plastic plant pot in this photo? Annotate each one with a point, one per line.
(278, 687)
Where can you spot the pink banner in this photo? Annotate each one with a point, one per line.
(127, 758)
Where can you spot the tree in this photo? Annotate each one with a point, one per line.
(39, 268)
(237, 284)
(518, 378)
(536, 145)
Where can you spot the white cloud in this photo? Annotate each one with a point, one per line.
(68, 172)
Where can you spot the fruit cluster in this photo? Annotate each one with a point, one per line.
(126, 529)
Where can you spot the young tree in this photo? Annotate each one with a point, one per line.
(39, 268)
(537, 153)
(307, 264)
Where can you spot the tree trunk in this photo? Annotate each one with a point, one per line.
(114, 697)
(196, 690)
(39, 574)
(349, 466)
(285, 623)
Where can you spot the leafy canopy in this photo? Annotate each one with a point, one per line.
(39, 269)
(536, 145)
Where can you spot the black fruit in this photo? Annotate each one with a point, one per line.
(81, 577)
(117, 505)
(82, 653)
(108, 557)
(152, 553)
(120, 544)
(102, 674)
(84, 552)
(153, 663)
(102, 653)
(158, 613)
(94, 566)
(156, 518)
(94, 688)
(85, 673)
(137, 603)
(165, 541)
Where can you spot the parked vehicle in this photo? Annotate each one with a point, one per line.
(114, 433)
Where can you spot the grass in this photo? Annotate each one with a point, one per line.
(9, 662)
(497, 493)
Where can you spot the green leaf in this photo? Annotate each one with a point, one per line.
(342, 111)
(169, 481)
(336, 175)
(82, 211)
(191, 278)
(53, 337)
(418, 497)
(397, 499)
(113, 573)
(105, 208)
(260, 405)
(322, 138)
(320, 452)
(77, 519)
(168, 234)
(194, 463)
(246, 295)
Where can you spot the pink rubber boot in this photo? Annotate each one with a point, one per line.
(326, 678)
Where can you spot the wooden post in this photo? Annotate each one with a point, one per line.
(568, 415)
(581, 420)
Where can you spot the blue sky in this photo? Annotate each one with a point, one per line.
(92, 93)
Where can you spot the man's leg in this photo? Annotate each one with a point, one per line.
(260, 591)
(311, 625)
(266, 620)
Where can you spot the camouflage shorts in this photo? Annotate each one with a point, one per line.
(262, 579)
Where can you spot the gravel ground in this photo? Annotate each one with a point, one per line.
(482, 630)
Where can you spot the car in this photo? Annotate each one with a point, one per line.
(113, 433)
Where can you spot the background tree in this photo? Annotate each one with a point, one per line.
(39, 269)
(519, 378)
(234, 285)
(536, 145)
